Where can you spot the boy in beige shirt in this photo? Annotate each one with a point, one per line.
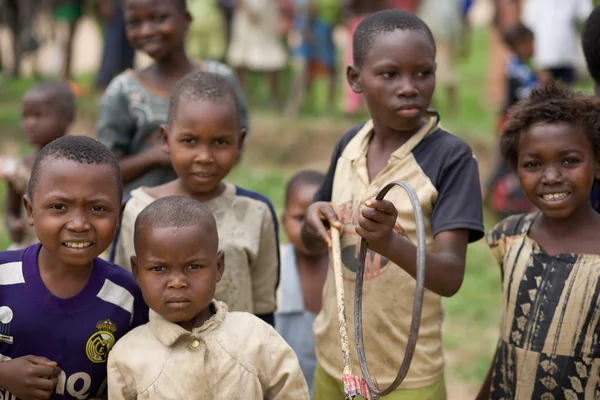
(192, 346)
(204, 138)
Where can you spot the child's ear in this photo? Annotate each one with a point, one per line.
(29, 208)
(134, 266)
(220, 265)
(353, 77)
(164, 135)
(243, 133)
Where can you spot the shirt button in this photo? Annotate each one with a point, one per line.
(195, 344)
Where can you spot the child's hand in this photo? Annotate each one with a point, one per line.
(319, 217)
(16, 229)
(376, 224)
(29, 377)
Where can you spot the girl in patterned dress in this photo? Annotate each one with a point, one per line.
(550, 259)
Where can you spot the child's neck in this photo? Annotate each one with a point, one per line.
(175, 65)
(578, 233)
(387, 138)
(62, 280)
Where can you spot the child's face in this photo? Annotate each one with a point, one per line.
(397, 78)
(205, 142)
(524, 48)
(75, 210)
(155, 27)
(177, 270)
(41, 119)
(556, 168)
(300, 198)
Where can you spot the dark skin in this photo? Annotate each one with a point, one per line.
(177, 277)
(205, 141)
(75, 221)
(158, 28)
(312, 268)
(558, 159)
(397, 78)
(42, 121)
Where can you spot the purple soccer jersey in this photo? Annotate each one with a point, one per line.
(77, 332)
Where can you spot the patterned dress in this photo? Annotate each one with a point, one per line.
(548, 347)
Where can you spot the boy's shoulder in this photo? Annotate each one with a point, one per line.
(11, 256)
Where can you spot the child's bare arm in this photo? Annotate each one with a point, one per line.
(15, 222)
(135, 165)
(445, 265)
(319, 217)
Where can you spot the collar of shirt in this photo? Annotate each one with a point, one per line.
(169, 333)
(431, 125)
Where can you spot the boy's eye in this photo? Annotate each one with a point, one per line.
(98, 208)
(424, 74)
(161, 18)
(194, 266)
(388, 75)
(221, 142)
(157, 268)
(188, 140)
(57, 207)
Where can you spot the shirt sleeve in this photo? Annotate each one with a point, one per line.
(459, 203)
(265, 268)
(495, 240)
(285, 380)
(116, 126)
(116, 382)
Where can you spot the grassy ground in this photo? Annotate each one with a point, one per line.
(278, 147)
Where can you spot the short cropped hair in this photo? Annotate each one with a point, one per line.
(203, 86)
(305, 177)
(516, 33)
(60, 93)
(554, 103)
(80, 149)
(379, 23)
(175, 212)
(182, 4)
(590, 42)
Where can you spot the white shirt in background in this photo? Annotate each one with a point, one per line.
(554, 24)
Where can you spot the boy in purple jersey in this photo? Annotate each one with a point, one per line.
(61, 307)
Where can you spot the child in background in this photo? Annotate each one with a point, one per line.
(313, 49)
(256, 43)
(63, 308)
(504, 192)
(193, 347)
(204, 137)
(302, 275)
(550, 260)
(394, 68)
(48, 111)
(207, 38)
(135, 104)
(590, 42)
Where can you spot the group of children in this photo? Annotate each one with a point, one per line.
(193, 318)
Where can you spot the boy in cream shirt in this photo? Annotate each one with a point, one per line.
(192, 346)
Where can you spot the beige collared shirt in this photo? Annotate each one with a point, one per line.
(232, 356)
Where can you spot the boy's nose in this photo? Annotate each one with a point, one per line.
(406, 88)
(551, 175)
(78, 222)
(177, 281)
